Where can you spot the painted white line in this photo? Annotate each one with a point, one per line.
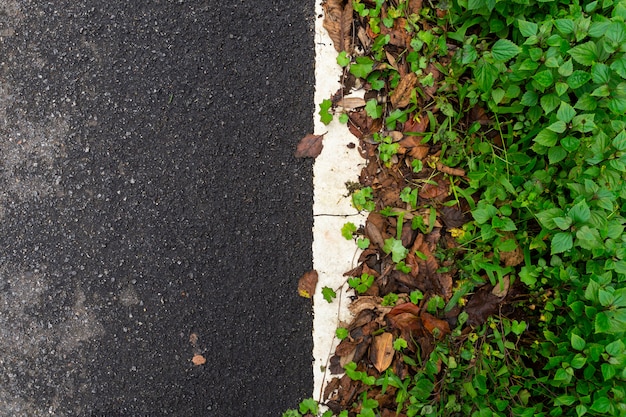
(332, 254)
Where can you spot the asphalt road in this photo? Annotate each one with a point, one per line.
(151, 208)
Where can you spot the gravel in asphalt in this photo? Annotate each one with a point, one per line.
(151, 209)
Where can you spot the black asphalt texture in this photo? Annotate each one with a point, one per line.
(151, 209)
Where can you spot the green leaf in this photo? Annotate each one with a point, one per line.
(308, 406)
(615, 348)
(546, 137)
(325, 116)
(485, 74)
(422, 389)
(341, 333)
(570, 143)
(347, 230)
(558, 127)
(585, 54)
(483, 213)
(584, 122)
(562, 223)
(561, 242)
(566, 112)
(600, 73)
(565, 26)
(619, 141)
(549, 102)
(619, 66)
(544, 78)
(363, 243)
(567, 68)
(399, 344)
(601, 405)
(578, 79)
(329, 294)
(530, 99)
(396, 249)
(362, 67)
(580, 212)
(342, 59)
(503, 50)
(373, 110)
(526, 28)
(578, 343)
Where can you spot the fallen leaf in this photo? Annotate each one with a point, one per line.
(381, 351)
(310, 146)
(501, 289)
(514, 257)
(351, 102)
(450, 171)
(307, 284)
(482, 304)
(415, 6)
(338, 22)
(193, 339)
(198, 360)
(401, 96)
(437, 327)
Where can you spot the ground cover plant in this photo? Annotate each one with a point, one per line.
(492, 276)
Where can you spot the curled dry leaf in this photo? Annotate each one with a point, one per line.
(501, 289)
(381, 351)
(310, 146)
(307, 284)
(457, 172)
(401, 96)
(338, 22)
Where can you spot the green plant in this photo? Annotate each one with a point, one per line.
(545, 167)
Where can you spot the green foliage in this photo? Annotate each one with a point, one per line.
(552, 75)
(329, 294)
(362, 283)
(347, 230)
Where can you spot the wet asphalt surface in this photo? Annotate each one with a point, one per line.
(151, 208)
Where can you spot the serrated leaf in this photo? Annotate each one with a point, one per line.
(580, 212)
(544, 78)
(585, 54)
(577, 342)
(561, 242)
(565, 26)
(566, 112)
(562, 223)
(558, 126)
(485, 74)
(546, 137)
(578, 79)
(619, 66)
(549, 102)
(504, 50)
(600, 73)
(567, 68)
(619, 141)
(526, 28)
(530, 99)
(570, 143)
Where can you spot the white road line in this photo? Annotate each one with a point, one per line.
(332, 254)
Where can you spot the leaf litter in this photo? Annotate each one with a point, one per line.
(438, 214)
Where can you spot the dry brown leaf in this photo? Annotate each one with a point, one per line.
(417, 124)
(381, 351)
(415, 6)
(514, 257)
(457, 172)
(193, 339)
(438, 191)
(435, 326)
(401, 96)
(307, 284)
(501, 289)
(338, 22)
(351, 102)
(198, 360)
(310, 146)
